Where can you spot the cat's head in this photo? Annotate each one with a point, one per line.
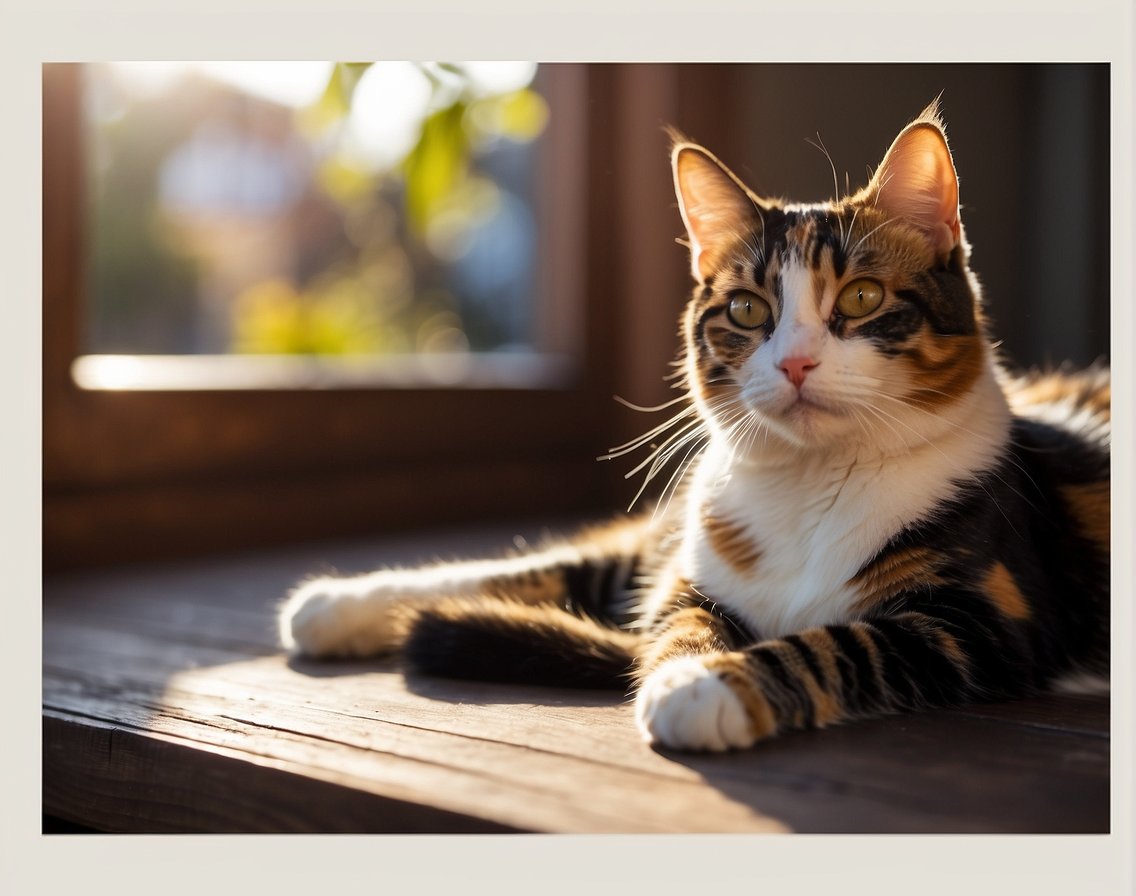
(853, 319)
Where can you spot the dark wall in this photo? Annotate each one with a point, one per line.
(1031, 146)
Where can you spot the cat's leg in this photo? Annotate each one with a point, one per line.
(718, 698)
(679, 701)
(372, 614)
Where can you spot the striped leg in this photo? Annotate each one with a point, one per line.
(680, 701)
(373, 614)
(719, 699)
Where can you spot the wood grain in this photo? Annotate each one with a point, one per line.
(167, 707)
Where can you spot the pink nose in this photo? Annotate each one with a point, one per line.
(797, 369)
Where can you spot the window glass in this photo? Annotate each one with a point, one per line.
(312, 209)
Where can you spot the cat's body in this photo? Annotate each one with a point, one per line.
(872, 517)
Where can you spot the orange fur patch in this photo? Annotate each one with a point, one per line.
(1001, 588)
(731, 542)
(943, 368)
(826, 708)
(861, 634)
(824, 649)
(688, 632)
(907, 570)
(1091, 504)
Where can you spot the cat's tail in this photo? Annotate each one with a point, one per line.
(513, 642)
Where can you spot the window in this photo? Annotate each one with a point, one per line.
(149, 455)
(378, 220)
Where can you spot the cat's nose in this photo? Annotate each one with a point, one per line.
(797, 368)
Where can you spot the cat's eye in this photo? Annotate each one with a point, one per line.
(747, 310)
(860, 297)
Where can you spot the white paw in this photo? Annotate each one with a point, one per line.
(328, 617)
(684, 705)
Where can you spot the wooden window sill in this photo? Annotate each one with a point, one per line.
(167, 707)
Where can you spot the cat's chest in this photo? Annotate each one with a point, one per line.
(781, 551)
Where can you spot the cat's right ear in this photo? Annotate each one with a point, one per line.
(716, 207)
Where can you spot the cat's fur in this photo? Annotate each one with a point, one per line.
(874, 518)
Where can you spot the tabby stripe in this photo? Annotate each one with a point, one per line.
(824, 652)
(982, 632)
(893, 326)
(795, 705)
(808, 657)
(826, 708)
(686, 632)
(731, 346)
(699, 325)
(896, 671)
(818, 284)
(892, 572)
(865, 690)
(735, 670)
(915, 298)
(938, 678)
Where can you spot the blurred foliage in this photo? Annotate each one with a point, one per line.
(437, 165)
(437, 178)
(382, 284)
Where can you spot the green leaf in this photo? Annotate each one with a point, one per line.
(334, 103)
(438, 163)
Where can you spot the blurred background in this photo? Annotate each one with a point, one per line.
(311, 208)
(302, 300)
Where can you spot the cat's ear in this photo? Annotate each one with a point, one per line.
(716, 207)
(916, 182)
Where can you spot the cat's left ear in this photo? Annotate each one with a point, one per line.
(716, 207)
(916, 182)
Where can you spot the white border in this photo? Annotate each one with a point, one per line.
(583, 30)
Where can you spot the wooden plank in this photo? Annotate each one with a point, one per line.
(93, 770)
(1084, 713)
(177, 671)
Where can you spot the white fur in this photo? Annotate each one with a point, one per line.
(822, 487)
(356, 616)
(1067, 416)
(684, 705)
(1082, 683)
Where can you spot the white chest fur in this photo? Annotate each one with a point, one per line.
(815, 521)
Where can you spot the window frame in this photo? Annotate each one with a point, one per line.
(143, 475)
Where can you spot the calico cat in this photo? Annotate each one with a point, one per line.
(875, 518)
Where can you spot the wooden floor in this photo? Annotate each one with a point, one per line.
(167, 707)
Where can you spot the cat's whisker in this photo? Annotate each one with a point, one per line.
(693, 427)
(819, 144)
(679, 474)
(874, 230)
(939, 419)
(648, 436)
(950, 462)
(650, 410)
(848, 233)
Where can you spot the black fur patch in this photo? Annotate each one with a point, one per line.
(484, 644)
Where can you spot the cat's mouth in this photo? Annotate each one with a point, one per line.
(801, 404)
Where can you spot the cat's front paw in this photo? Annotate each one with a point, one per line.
(687, 706)
(329, 617)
